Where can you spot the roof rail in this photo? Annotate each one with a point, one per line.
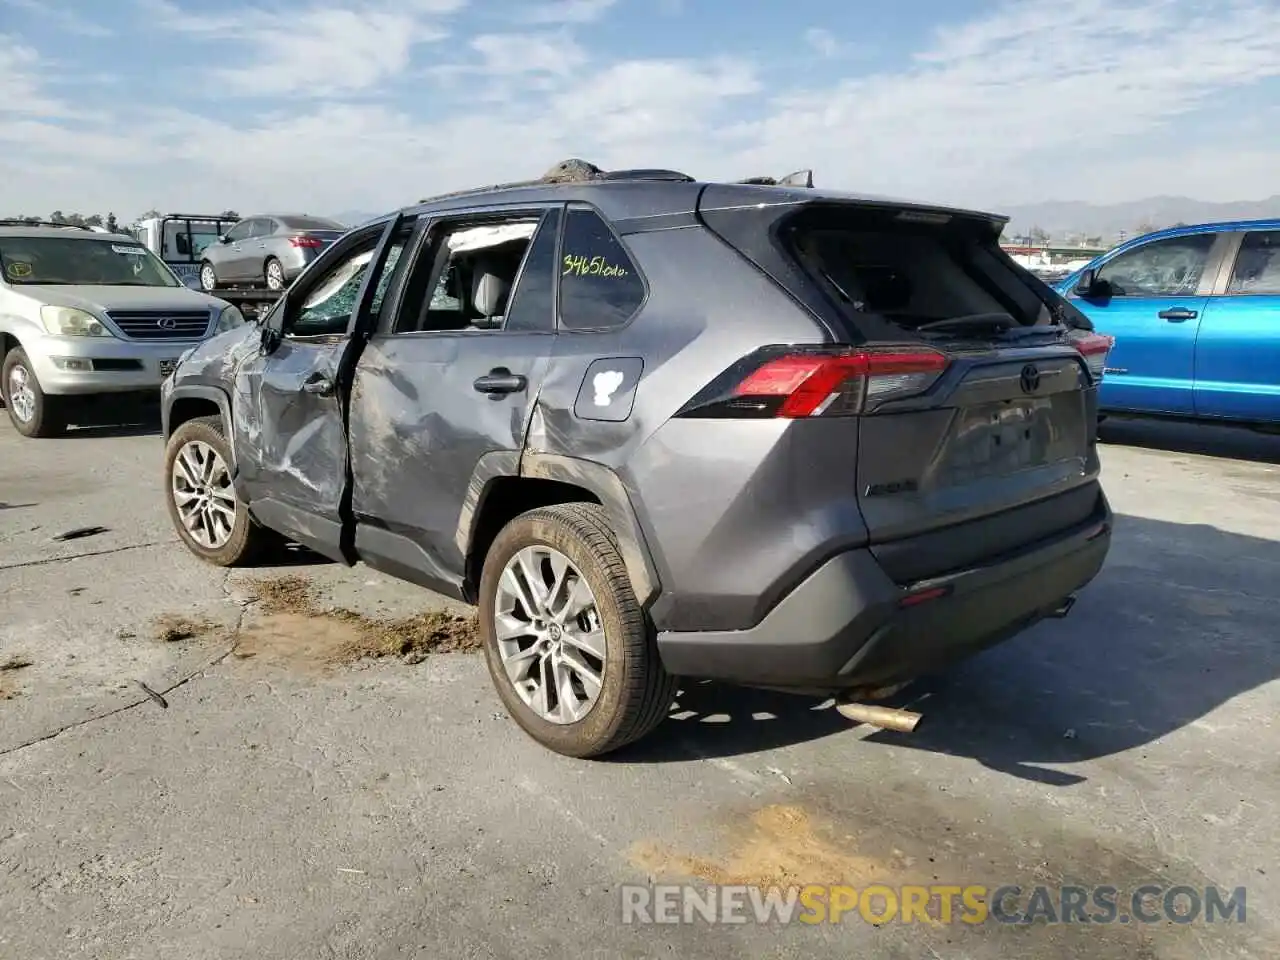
(194, 216)
(580, 171)
(33, 222)
(570, 171)
(653, 174)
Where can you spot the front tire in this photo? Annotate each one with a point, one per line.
(32, 412)
(210, 519)
(569, 650)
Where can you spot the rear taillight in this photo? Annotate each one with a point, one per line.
(802, 382)
(1094, 347)
(311, 243)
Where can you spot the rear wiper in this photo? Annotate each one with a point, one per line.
(972, 321)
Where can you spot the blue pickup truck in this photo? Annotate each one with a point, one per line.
(1195, 313)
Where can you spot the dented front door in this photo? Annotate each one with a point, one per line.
(290, 437)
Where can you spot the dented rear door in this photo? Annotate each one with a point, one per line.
(439, 405)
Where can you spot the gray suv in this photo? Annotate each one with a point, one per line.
(658, 428)
(267, 250)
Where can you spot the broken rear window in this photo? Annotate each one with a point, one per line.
(911, 268)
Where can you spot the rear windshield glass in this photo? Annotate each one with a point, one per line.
(913, 273)
(310, 223)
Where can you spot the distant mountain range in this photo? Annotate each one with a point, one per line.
(1063, 218)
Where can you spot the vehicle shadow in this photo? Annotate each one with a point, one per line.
(288, 555)
(1180, 622)
(1203, 439)
(126, 419)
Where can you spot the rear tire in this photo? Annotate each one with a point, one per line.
(32, 412)
(225, 535)
(208, 277)
(273, 272)
(634, 693)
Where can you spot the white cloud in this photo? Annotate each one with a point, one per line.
(565, 11)
(1039, 91)
(23, 80)
(1037, 99)
(68, 21)
(314, 50)
(822, 41)
(513, 53)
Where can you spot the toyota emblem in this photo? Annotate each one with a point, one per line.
(1030, 379)
(168, 323)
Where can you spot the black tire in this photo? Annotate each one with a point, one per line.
(49, 418)
(205, 265)
(636, 692)
(249, 541)
(266, 274)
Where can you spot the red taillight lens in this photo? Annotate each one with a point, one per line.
(1094, 347)
(807, 383)
(310, 243)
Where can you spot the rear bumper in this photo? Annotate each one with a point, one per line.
(849, 625)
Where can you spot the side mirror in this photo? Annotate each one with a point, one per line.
(222, 238)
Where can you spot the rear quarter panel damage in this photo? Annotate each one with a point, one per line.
(708, 500)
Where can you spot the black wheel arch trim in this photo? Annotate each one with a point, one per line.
(216, 395)
(599, 480)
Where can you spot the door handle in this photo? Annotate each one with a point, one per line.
(1178, 314)
(318, 384)
(500, 381)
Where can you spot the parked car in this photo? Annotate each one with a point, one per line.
(1195, 313)
(85, 314)
(650, 441)
(266, 250)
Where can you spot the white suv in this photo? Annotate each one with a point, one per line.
(84, 313)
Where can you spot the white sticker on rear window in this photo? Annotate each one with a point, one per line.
(134, 251)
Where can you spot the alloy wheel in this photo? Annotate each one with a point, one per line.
(202, 492)
(549, 635)
(22, 396)
(208, 278)
(275, 276)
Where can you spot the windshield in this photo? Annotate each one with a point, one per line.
(59, 260)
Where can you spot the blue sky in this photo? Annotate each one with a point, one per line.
(365, 105)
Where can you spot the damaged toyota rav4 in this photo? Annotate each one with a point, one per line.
(656, 428)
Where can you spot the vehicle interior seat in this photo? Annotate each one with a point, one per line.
(490, 287)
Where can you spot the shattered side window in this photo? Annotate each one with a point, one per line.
(1257, 267)
(328, 308)
(1162, 268)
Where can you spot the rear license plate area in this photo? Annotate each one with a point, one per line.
(1004, 437)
